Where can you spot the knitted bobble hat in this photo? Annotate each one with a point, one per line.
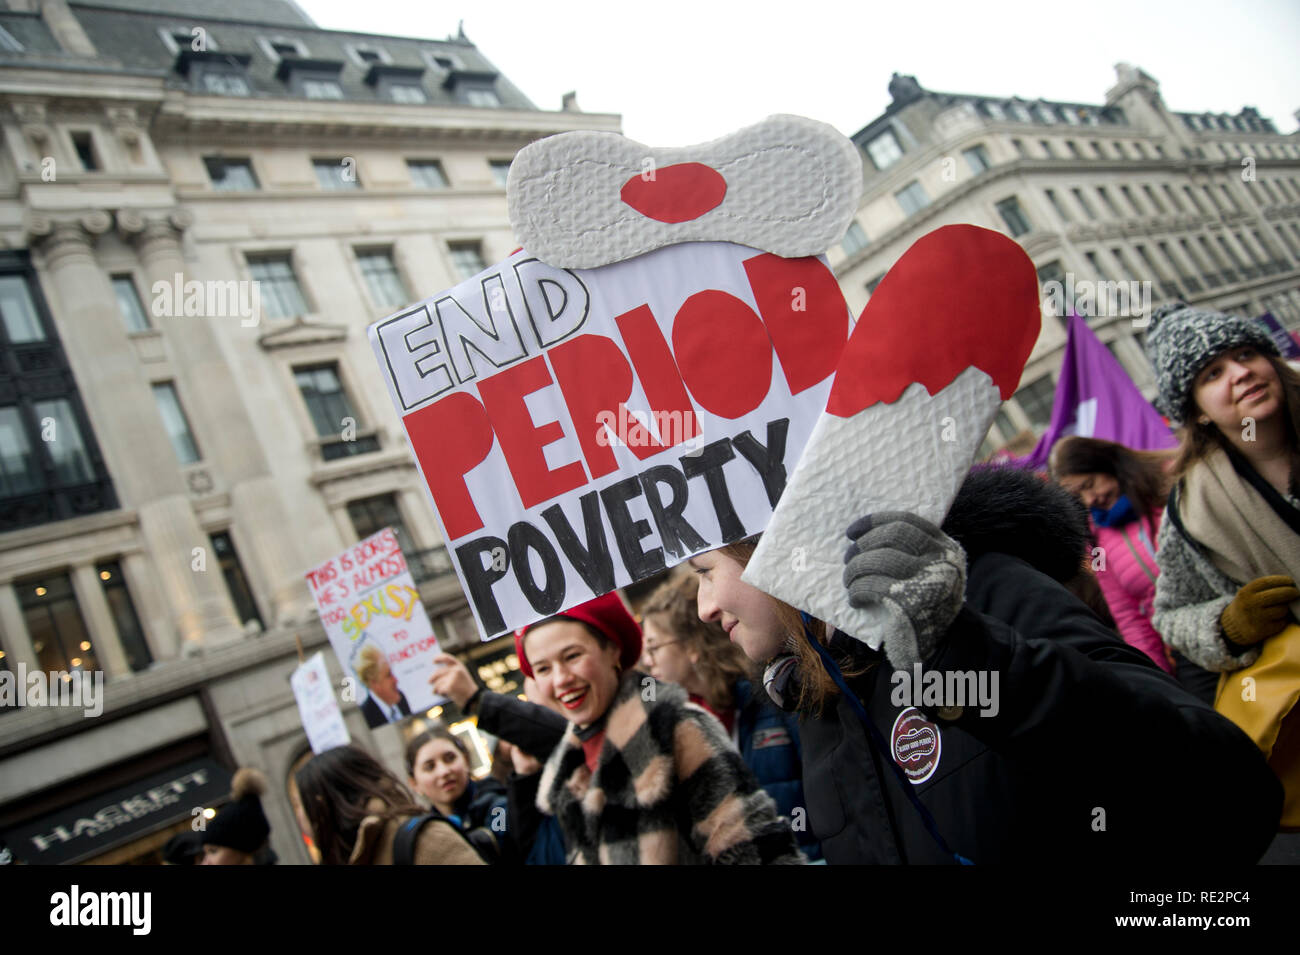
(1181, 340)
(241, 824)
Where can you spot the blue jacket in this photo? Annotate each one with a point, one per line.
(769, 743)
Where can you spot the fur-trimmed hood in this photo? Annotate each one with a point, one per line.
(1014, 511)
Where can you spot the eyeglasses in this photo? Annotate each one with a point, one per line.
(651, 651)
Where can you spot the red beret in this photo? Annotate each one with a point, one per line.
(607, 616)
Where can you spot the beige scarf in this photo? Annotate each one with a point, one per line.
(1240, 532)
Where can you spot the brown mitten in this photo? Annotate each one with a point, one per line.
(1259, 610)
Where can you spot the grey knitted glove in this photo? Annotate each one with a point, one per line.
(916, 571)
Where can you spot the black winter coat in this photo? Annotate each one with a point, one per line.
(1094, 754)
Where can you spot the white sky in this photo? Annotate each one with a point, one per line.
(684, 72)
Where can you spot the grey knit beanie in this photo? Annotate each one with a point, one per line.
(1182, 340)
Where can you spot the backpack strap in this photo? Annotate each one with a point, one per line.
(409, 834)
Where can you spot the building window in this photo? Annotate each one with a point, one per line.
(1019, 147)
(386, 287)
(409, 93)
(280, 293)
(884, 150)
(1036, 401)
(54, 622)
(8, 43)
(1196, 203)
(977, 158)
(994, 110)
(369, 56)
(223, 82)
(1154, 200)
(1057, 206)
(20, 472)
(174, 420)
(1126, 270)
(331, 411)
(1096, 266)
(371, 515)
(1083, 203)
(912, 198)
(322, 89)
(500, 169)
(129, 304)
(1071, 115)
(1020, 113)
(129, 632)
(871, 286)
(481, 96)
(1109, 203)
(67, 450)
(17, 312)
(241, 595)
(1127, 193)
(1119, 150)
(1073, 148)
(427, 173)
(1046, 147)
(855, 239)
(1172, 197)
(230, 175)
(467, 258)
(1044, 114)
(1014, 217)
(337, 173)
(84, 146)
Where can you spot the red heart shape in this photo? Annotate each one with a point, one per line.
(961, 296)
(677, 193)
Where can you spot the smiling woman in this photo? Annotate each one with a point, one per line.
(642, 776)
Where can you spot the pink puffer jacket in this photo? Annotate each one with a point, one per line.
(1128, 582)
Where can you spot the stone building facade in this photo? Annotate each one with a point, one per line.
(1203, 207)
(175, 453)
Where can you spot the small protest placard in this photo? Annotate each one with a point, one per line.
(378, 627)
(321, 716)
(580, 429)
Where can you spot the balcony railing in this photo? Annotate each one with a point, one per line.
(430, 564)
(1193, 285)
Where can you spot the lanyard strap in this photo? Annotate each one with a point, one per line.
(877, 741)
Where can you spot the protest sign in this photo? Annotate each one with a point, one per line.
(580, 429)
(377, 627)
(321, 716)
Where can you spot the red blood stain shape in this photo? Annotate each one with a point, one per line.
(961, 296)
(677, 193)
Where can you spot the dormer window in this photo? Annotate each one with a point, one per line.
(313, 79)
(210, 71)
(398, 84)
(473, 87)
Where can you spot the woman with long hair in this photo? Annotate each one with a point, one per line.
(438, 768)
(908, 757)
(1124, 491)
(1230, 545)
(640, 776)
(355, 810)
(696, 655)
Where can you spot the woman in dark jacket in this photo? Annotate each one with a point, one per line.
(683, 649)
(437, 766)
(1047, 739)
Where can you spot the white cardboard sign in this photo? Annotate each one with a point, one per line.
(321, 716)
(369, 606)
(580, 429)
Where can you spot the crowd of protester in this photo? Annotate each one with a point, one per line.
(727, 727)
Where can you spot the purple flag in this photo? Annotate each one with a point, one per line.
(1095, 398)
(1281, 337)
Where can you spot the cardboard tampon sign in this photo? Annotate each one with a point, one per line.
(580, 429)
(378, 627)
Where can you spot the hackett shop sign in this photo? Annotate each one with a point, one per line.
(580, 429)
